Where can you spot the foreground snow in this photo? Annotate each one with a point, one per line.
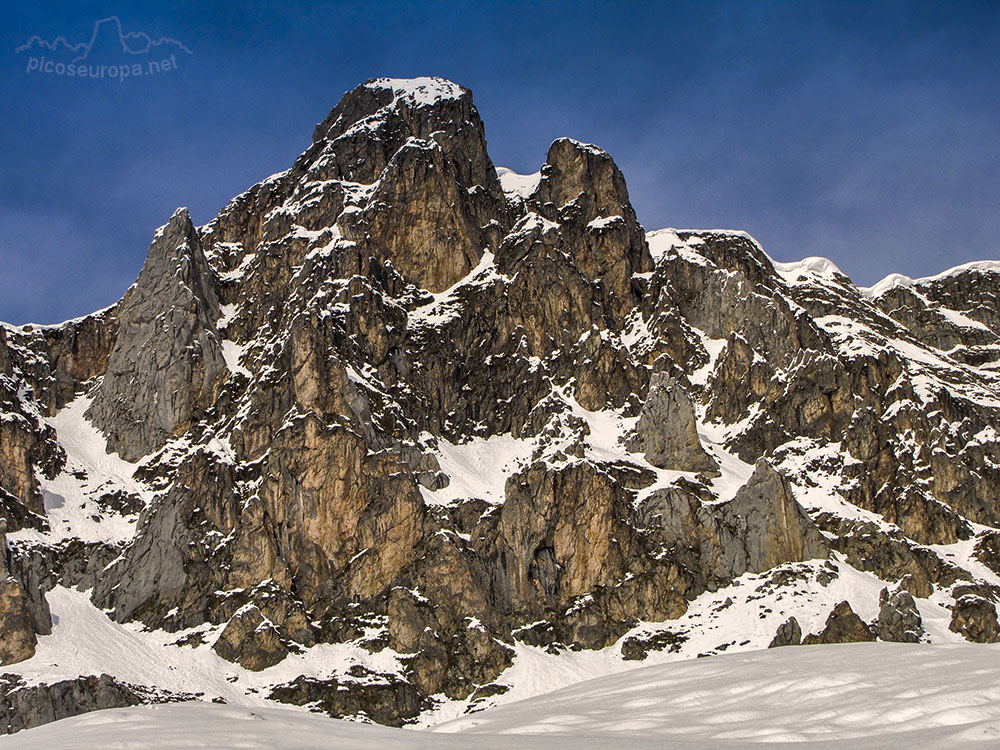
(950, 693)
(858, 695)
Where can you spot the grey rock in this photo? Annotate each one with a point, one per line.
(898, 617)
(760, 528)
(667, 430)
(637, 648)
(777, 529)
(975, 618)
(167, 364)
(385, 700)
(789, 633)
(25, 707)
(889, 555)
(582, 188)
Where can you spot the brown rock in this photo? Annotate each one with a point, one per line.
(17, 638)
(842, 626)
(987, 550)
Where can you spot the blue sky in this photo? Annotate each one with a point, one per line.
(865, 132)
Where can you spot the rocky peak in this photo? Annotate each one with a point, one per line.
(582, 174)
(667, 430)
(167, 363)
(582, 189)
(360, 135)
(397, 94)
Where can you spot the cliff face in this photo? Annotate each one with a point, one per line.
(390, 402)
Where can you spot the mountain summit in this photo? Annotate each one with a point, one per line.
(397, 429)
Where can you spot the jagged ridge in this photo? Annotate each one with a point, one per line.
(382, 401)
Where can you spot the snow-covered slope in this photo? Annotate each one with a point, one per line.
(855, 695)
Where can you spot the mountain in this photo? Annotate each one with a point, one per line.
(400, 435)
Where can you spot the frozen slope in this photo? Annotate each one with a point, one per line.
(854, 694)
(857, 695)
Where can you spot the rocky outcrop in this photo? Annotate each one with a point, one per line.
(975, 618)
(20, 451)
(789, 633)
(167, 363)
(422, 219)
(842, 626)
(987, 550)
(637, 648)
(384, 699)
(77, 353)
(24, 707)
(890, 555)
(898, 617)
(582, 188)
(554, 536)
(17, 637)
(28, 449)
(777, 530)
(250, 640)
(760, 528)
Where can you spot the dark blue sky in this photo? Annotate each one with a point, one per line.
(865, 132)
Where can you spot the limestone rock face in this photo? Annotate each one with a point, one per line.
(363, 132)
(21, 449)
(167, 363)
(421, 219)
(778, 530)
(17, 634)
(760, 528)
(842, 626)
(28, 448)
(436, 204)
(667, 430)
(555, 536)
(78, 352)
(399, 401)
(987, 550)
